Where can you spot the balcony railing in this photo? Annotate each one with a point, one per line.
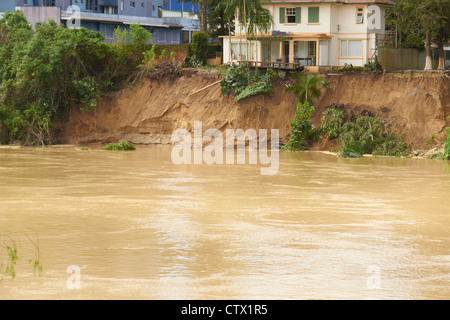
(272, 65)
(166, 22)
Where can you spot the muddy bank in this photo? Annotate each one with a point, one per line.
(413, 106)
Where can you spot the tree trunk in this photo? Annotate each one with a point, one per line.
(441, 64)
(204, 16)
(229, 39)
(428, 65)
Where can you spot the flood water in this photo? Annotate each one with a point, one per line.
(140, 227)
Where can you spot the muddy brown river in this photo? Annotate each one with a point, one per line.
(133, 225)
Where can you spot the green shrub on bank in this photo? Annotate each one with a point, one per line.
(391, 146)
(120, 146)
(302, 130)
(446, 154)
(259, 83)
(366, 131)
(447, 144)
(362, 134)
(332, 121)
(353, 149)
(245, 83)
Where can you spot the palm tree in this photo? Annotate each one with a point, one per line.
(307, 87)
(251, 14)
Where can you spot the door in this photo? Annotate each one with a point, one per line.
(323, 53)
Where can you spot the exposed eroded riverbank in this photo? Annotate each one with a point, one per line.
(413, 105)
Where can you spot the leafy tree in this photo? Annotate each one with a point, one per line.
(307, 86)
(44, 72)
(217, 24)
(428, 19)
(443, 35)
(249, 13)
(199, 47)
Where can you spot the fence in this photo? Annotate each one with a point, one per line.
(401, 58)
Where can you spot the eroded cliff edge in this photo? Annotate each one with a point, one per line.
(413, 105)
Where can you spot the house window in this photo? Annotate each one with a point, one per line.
(91, 4)
(25, 2)
(290, 15)
(132, 4)
(142, 4)
(108, 10)
(313, 15)
(312, 48)
(351, 48)
(49, 3)
(359, 15)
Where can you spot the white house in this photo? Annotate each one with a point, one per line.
(318, 34)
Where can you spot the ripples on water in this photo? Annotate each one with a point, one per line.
(140, 227)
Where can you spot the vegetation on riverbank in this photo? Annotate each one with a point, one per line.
(46, 71)
(361, 134)
(245, 83)
(446, 154)
(302, 130)
(356, 134)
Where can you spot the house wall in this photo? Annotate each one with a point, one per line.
(6, 5)
(58, 3)
(167, 36)
(184, 5)
(150, 8)
(344, 27)
(335, 20)
(39, 14)
(303, 27)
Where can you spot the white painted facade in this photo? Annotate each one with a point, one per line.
(345, 33)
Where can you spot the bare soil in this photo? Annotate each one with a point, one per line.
(413, 105)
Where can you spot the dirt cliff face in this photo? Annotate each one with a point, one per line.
(413, 105)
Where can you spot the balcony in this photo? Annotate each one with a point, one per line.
(167, 22)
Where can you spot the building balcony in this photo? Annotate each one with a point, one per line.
(166, 22)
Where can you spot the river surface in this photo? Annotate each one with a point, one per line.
(133, 225)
